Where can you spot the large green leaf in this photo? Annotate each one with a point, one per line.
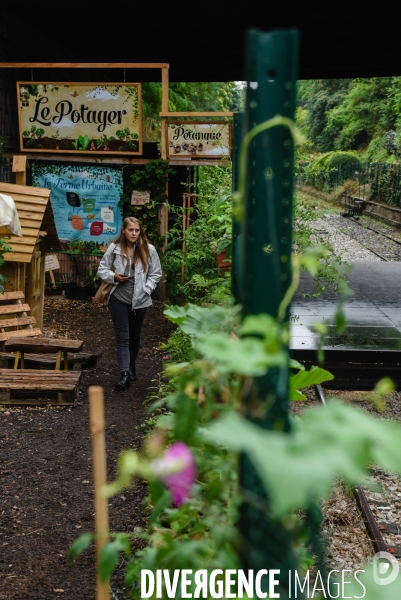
(299, 466)
(196, 320)
(246, 356)
(305, 378)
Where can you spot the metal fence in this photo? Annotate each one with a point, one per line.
(380, 182)
(78, 268)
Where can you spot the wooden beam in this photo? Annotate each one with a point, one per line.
(31, 191)
(196, 114)
(90, 159)
(201, 162)
(75, 65)
(164, 90)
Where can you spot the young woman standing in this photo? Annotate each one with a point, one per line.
(133, 266)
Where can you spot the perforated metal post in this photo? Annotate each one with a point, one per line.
(265, 273)
(238, 124)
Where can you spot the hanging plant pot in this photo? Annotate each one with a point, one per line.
(222, 261)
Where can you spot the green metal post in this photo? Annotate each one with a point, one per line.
(265, 273)
(238, 124)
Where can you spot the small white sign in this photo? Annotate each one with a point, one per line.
(51, 262)
(140, 197)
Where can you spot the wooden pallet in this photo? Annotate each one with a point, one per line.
(32, 386)
(87, 360)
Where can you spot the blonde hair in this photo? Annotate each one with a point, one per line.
(142, 251)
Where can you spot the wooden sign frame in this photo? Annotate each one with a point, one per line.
(194, 155)
(84, 144)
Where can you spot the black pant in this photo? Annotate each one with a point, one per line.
(127, 326)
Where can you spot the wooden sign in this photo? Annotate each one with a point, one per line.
(138, 197)
(95, 118)
(199, 140)
(51, 262)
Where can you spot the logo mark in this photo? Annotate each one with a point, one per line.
(385, 568)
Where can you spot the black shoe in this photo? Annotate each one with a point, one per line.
(124, 382)
(132, 373)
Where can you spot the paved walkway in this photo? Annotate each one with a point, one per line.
(373, 313)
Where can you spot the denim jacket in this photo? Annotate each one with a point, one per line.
(145, 281)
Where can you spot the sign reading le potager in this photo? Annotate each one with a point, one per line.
(209, 140)
(80, 117)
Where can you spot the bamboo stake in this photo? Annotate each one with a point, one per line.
(96, 407)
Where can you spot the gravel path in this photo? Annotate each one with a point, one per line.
(348, 245)
(354, 241)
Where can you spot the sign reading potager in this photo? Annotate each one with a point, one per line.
(80, 117)
(199, 139)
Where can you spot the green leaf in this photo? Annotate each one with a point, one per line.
(161, 503)
(340, 320)
(80, 545)
(110, 554)
(246, 356)
(374, 589)
(294, 364)
(196, 320)
(384, 387)
(304, 379)
(186, 418)
(327, 442)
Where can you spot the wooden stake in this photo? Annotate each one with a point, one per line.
(96, 407)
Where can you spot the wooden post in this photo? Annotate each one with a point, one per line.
(162, 211)
(19, 168)
(96, 407)
(163, 216)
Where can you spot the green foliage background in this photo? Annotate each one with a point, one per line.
(353, 114)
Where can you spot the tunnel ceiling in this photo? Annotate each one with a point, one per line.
(201, 42)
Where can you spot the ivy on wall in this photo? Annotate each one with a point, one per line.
(151, 177)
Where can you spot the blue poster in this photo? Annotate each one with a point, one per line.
(85, 201)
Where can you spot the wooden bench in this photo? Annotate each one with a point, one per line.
(87, 360)
(14, 318)
(20, 345)
(32, 386)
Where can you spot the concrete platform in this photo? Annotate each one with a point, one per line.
(373, 313)
(370, 348)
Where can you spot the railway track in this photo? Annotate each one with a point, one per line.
(379, 500)
(376, 239)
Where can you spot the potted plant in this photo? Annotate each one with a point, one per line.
(77, 246)
(223, 252)
(222, 223)
(53, 289)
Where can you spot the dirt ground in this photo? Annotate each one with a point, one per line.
(46, 463)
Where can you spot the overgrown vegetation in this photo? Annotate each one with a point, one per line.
(212, 361)
(356, 124)
(184, 97)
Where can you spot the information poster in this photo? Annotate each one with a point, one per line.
(85, 201)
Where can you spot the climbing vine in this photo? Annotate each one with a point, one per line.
(151, 177)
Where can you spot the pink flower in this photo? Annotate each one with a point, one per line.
(166, 356)
(177, 470)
